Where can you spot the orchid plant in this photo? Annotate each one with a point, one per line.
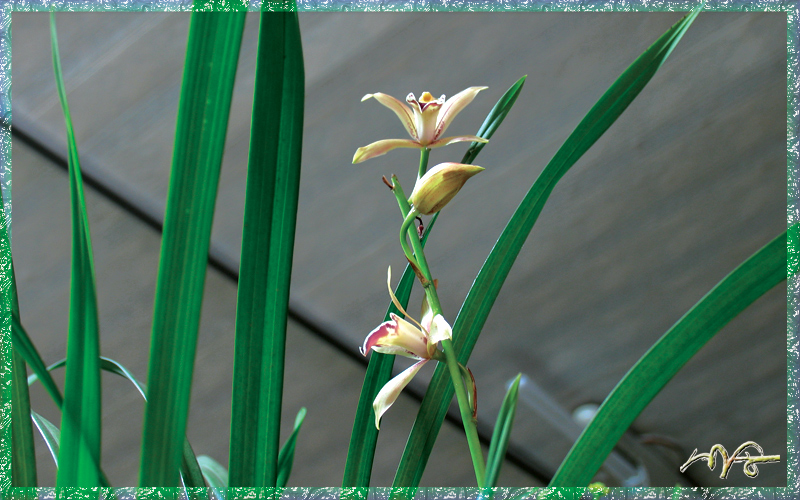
(433, 190)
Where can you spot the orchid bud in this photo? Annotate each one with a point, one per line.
(437, 187)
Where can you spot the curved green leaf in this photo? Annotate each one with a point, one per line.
(501, 434)
(286, 455)
(211, 60)
(754, 277)
(50, 433)
(494, 119)
(492, 275)
(213, 471)
(23, 455)
(80, 413)
(273, 183)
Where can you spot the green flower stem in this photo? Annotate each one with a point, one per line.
(423, 162)
(404, 233)
(426, 279)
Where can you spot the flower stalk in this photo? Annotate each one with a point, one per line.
(420, 264)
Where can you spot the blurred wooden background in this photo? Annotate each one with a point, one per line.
(688, 183)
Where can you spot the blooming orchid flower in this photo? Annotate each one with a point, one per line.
(425, 121)
(398, 336)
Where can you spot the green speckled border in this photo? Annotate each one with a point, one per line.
(793, 215)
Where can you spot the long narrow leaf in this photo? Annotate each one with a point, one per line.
(273, 181)
(361, 453)
(754, 277)
(23, 456)
(286, 455)
(213, 471)
(501, 434)
(211, 60)
(80, 414)
(492, 275)
(494, 119)
(27, 350)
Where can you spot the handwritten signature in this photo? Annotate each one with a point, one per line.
(750, 462)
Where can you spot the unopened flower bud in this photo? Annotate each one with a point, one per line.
(439, 185)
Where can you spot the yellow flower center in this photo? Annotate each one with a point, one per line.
(426, 97)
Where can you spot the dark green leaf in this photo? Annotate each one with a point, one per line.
(273, 180)
(754, 277)
(494, 119)
(286, 455)
(23, 456)
(209, 71)
(80, 413)
(492, 275)
(501, 434)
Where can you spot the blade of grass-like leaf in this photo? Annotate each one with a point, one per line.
(80, 414)
(28, 351)
(23, 456)
(494, 119)
(754, 277)
(189, 469)
(215, 474)
(50, 433)
(492, 275)
(364, 438)
(273, 181)
(501, 434)
(286, 455)
(209, 71)
(361, 453)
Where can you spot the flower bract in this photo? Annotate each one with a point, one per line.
(439, 185)
(425, 119)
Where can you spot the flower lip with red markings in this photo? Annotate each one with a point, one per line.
(398, 336)
(425, 119)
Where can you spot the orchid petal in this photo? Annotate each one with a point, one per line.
(382, 147)
(426, 114)
(427, 314)
(388, 395)
(461, 138)
(400, 109)
(397, 337)
(453, 106)
(440, 330)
